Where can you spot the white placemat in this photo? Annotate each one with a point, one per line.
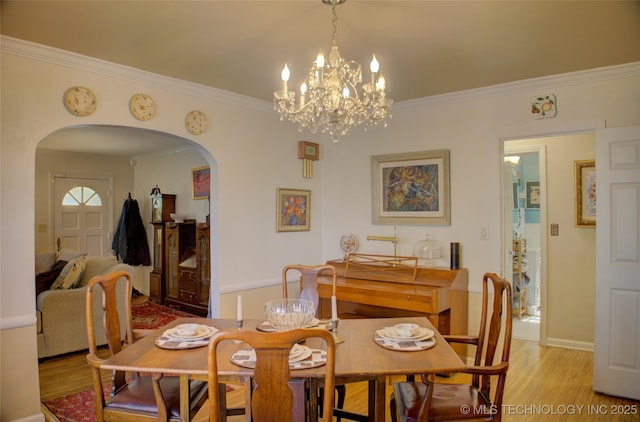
(247, 358)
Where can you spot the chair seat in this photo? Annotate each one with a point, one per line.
(138, 396)
(448, 403)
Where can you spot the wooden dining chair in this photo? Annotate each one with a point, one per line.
(309, 281)
(431, 401)
(275, 396)
(131, 396)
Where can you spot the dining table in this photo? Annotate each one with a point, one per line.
(360, 354)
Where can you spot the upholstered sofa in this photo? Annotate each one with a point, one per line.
(60, 309)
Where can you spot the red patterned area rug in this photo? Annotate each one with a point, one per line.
(148, 315)
(80, 407)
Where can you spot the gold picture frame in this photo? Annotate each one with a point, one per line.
(293, 210)
(200, 182)
(411, 188)
(585, 193)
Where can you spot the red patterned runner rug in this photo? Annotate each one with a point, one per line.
(80, 407)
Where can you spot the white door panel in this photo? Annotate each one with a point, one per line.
(82, 221)
(617, 336)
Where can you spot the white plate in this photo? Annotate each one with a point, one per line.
(390, 333)
(296, 351)
(202, 332)
(304, 352)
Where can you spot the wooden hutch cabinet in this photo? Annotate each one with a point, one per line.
(188, 257)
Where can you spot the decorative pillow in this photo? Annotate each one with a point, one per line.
(72, 280)
(69, 279)
(45, 279)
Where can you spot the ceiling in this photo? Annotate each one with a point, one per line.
(424, 47)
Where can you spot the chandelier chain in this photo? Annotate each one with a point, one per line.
(334, 22)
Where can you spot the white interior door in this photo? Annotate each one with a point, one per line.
(81, 214)
(617, 326)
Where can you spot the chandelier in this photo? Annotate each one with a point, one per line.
(333, 99)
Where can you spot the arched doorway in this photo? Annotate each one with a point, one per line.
(136, 160)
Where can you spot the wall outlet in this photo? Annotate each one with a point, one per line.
(554, 229)
(484, 233)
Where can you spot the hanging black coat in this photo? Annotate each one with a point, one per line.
(130, 239)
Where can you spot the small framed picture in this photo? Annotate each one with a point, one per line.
(293, 210)
(200, 182)
(533, 195)
(585, 193)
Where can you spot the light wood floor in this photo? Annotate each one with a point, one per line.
(544, 383)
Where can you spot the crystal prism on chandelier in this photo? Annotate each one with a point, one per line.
(333, 99)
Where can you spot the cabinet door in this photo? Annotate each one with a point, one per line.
(158, 242)
(203, 254)
(155, 287)
(172, 260)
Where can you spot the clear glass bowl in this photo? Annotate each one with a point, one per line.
(289, 314)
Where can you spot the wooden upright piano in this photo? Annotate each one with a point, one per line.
(378, 286)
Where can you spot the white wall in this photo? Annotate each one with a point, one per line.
(251, 154)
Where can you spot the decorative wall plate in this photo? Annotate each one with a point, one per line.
(80, 101)
(142, 107)
(196, 122)
(543, 107)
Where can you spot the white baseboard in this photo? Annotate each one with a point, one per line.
(569, 344)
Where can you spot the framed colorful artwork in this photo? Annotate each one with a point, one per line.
(293, 210)
(585, 193)
(411, 188)
(200, 182)
(532, 189)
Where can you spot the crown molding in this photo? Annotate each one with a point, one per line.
(18, 47)
(545, 83)
(39, 52)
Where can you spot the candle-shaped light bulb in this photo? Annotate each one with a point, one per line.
(285, 78)
(239, 308)
(320, 67)
(285, 73)
(320, 59)
(345, 92)
(334, 309)
(380, 85)
(303, 90)
(375, 67)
